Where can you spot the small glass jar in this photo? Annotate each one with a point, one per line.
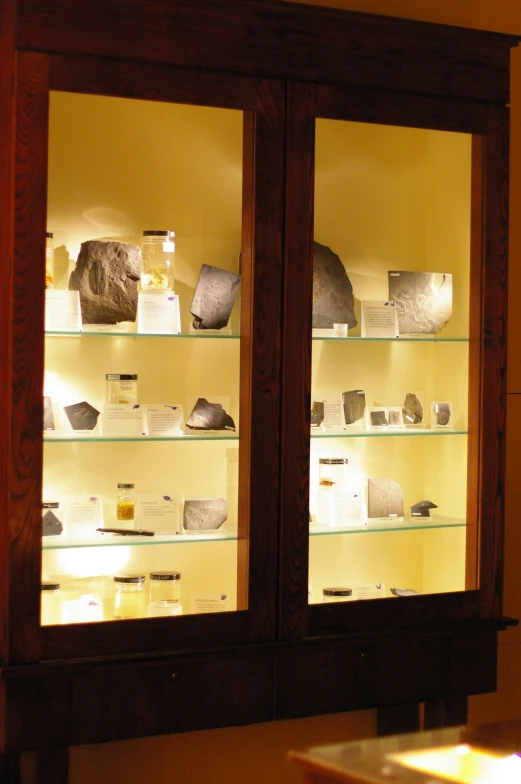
(332, 471)
(49, 261)
(129, 596)
(165, 589)
(126, 503)
(121, 387)
(157, 270)
(341, 594)
(50, 604)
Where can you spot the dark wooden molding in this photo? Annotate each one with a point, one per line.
(398, 719)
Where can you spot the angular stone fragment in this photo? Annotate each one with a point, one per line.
(51, 524)
(354, 405)
(209, 416)
(48, 414)
(333, 301)
(205, 515)
(422, 508)
(384, 498)
(317, 414)
(442, 414)
(214, 297)
(107, 276)
(82, 416)
(423, 300)
(378, 419)
(412, 410)
(404, 591)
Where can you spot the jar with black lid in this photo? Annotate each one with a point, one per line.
(339, 594)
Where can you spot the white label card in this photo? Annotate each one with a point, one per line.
(159, 513)
(368, 591)
(83, 510)
(62, 311)
(379, 320)
(124, 419)
(210, 603)
(164, 419)
(158, 313)
(333, 415)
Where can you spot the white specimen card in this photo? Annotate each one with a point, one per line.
(333, 415)
(83, 510)
(164, 419)
(124, 419)
(367, 590)
(210, 603)
(379, 319)
(86, 609)
(158, 313)
(62, 311)
(341, 506)
(159, 513)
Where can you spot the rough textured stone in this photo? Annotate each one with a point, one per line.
(209, 416)
(422, 508)
(82, 416)
(107, 276)
(423, 300)
(412, 410)
(384, 498)
(48, 414)
(205, 515)
(317, 414)
(51, 525)
(214, 297)
(378, 419)
(354, 405)
(404, 592)
(442, 414)
(333, 301)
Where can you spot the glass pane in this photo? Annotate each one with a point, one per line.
(390, 363)
(155, 450)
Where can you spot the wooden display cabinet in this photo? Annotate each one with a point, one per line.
(254, 130)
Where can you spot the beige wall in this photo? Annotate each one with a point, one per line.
(256, 754)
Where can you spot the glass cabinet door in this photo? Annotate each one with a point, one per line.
(389, 492)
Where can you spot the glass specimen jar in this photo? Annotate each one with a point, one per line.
(50, 603)
(341, 594)
(121, 387)
(157, 271)
(49, 261)
(332, 471)
(129, 596)
(165, 588)
(126, 502)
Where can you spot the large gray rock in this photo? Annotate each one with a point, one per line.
(214, 297)
(354, 405)
(384, 498)
(82, 416)
(423, 300)
(333, 301)
(205, 515)
(107, 276)
(209, 416)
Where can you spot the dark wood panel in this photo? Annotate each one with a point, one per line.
(38, 712)
(275, 39)
(50, 766)
(7, 148)
(386, 614)
(134, 701)
(445, 713)
(397, 719)
(493, 382)
(296, 378)
(27, 355)
(148, 81)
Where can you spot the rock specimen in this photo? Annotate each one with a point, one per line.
(48, 414)
(205, 515)
(333, 301)
(442, 411)
(354, 405)
(106, 275)
(51, 524)
(209, 416)
(384, 498)
(378, 419)
(214, 297)
(423, 300)
(412, 410)
(82, 416)
(317, 414)
(404, 592)
(422, 508)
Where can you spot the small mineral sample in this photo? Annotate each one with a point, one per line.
(317, 414)
(205, 515)
(354, 405)
(384, 498)
(412, 410)
(209, 416)
(82, 416)
(422, 508)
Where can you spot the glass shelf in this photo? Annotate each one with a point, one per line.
(387, 433)
(402, 339)
(197, 335)
(75, 438)
(377, 526)
(116, 540)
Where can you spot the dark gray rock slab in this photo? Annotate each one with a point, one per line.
(209, 416)
(214, 297)
(106, 276)
(354, 405)
(48, 414)
(317, 413)
(51, 524)
(333, 300)
(422, 508)
(423, 300)
(404, 592)
(442, 414)
(205, 515)
(412, 410)
(378, 419)
(384, 498)
(82, 416)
